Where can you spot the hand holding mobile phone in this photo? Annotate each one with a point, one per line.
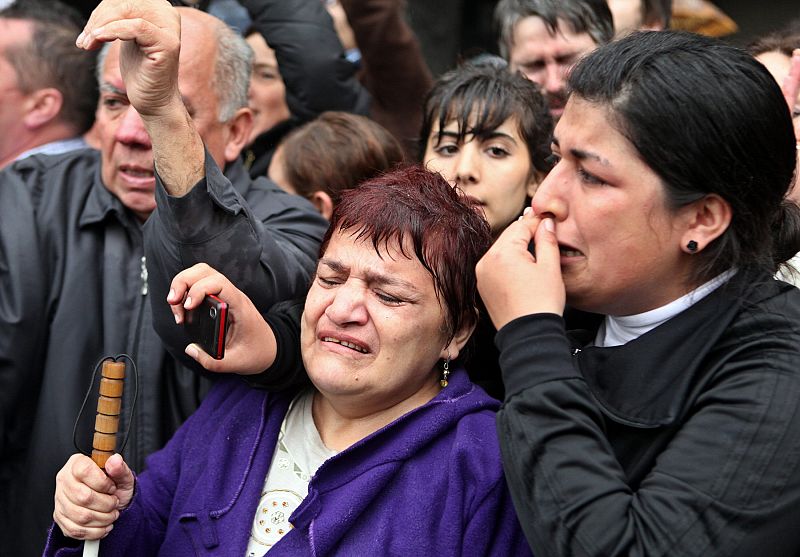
(207, 325)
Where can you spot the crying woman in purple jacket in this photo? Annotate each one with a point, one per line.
(390, 450)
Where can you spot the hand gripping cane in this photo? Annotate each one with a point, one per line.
(106, 424)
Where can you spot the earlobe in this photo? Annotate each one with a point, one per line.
(459, 340)
(239, 128)
(708, 219)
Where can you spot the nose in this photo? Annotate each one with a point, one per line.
(131, 130)
(554, 77)
(550, 199)
(348, 305)
(467, 165)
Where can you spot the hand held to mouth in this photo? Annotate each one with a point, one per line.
(514, 283)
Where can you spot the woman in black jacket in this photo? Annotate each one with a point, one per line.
(674, 428)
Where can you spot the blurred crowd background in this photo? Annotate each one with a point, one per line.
(450, 30)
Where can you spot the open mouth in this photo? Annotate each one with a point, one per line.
(568, 251)
(136, 171)
(346, 344)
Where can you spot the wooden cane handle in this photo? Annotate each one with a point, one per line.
(109, 406)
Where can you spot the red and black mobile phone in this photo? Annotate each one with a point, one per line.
(207, 325)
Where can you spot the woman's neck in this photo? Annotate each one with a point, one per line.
(343, 421)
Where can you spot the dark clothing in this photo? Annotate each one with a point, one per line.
(684, 441)
(77, 290)
(428, 483)
(394, 70)
(258, 155)
(311, 61)
(262, 239)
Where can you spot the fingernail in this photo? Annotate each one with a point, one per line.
(527, 211)
(192, 352)
(79, 40)
(549, 225)
(171, 295)
(177, 319)
(187, 303)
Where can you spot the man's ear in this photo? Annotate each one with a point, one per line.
(239, 128)
(706, 220)
(323, 202)
(41, 107)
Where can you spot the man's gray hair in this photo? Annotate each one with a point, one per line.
(232, 69)
(584, 16)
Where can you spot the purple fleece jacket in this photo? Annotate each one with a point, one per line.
(429, 483)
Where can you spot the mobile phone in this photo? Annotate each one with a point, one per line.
(207, 325)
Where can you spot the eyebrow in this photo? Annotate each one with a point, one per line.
(490, 135)
(108, 88)
(371, 277)
(581, 154)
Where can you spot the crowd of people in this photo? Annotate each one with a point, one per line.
(543, 304)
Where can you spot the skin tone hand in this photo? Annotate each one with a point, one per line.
(514, 283)
(88, 500)
(791, 88)
(151, 35)
(250, 345)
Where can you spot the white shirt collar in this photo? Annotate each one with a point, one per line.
(616, 331)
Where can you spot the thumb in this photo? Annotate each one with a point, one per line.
(546, 245)
(123, 478)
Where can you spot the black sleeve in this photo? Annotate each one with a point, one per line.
(726, 484)
(287, 371)
(265, 242)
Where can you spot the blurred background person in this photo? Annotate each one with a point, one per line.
(780, 53)
(543, 39)
(299, 72)
(334, 152)
(48, 93)
(635, 15)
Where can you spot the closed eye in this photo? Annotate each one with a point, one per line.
(328, 282)
(388, 300)
(590, 178)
